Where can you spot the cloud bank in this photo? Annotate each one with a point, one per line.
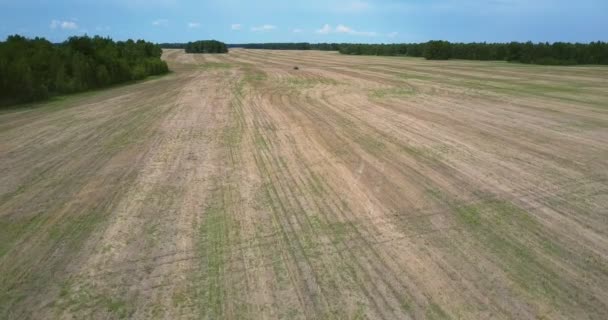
(342, 29)
(65, 25)
(266, 27)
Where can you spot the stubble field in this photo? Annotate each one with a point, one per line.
(356, 187)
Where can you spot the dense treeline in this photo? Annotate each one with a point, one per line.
(409, 49)
(269, 46)
(289, 46)
(173, 45)
(206, 46)
(34, 69)
(558, 53)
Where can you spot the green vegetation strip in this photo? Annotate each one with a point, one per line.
(521, 246)
(392, 92)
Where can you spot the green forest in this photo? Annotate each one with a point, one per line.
(289, 46)
(558, 53)
(206, 46)
(36, 69)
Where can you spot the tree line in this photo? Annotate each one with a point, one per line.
(35, 69)
(206, 46)
(289, 46)
(558, 53)
(172, 45)
(268, 46)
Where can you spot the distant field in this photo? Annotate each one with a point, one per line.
(353, 188)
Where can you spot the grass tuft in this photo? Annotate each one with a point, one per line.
(392, 92)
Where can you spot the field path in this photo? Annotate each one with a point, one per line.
(353, 188)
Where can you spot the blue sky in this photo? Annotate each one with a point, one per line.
(380, 21)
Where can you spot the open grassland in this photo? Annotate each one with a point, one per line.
(353, 188)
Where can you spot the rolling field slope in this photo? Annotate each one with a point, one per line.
(354, 188)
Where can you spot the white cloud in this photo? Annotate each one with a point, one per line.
(160, 22)
(65, 25)
(392, 34)
(236, 26)
(325, 30)
(266, 27)
(344, 29)
(297, 30)
(194, 25)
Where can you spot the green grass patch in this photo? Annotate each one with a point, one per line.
(53, 103)
(515, 240)
(559, 90)
(372, 145)
(67, 235)
(255, 76)
(73, 229)
(393, 92)
(336, 231)
(214, 233)
(75, 298)
(233, 135)
(11, 230)
(359, 312)
(405, 304)
(304, 83)
(518, 87)
(525, 249)
(434, 311)
(415, 76)
(215, 65)
(133, 131)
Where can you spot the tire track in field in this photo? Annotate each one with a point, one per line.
(82, 179)
(266, 126)
(354, 187)
(286, 189)
(167, 196)
(336, 103)
(549, 155)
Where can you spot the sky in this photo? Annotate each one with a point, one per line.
(358, 21)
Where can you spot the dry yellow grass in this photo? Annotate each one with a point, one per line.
(354, 187)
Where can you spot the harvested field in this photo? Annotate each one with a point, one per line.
(355, 187)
